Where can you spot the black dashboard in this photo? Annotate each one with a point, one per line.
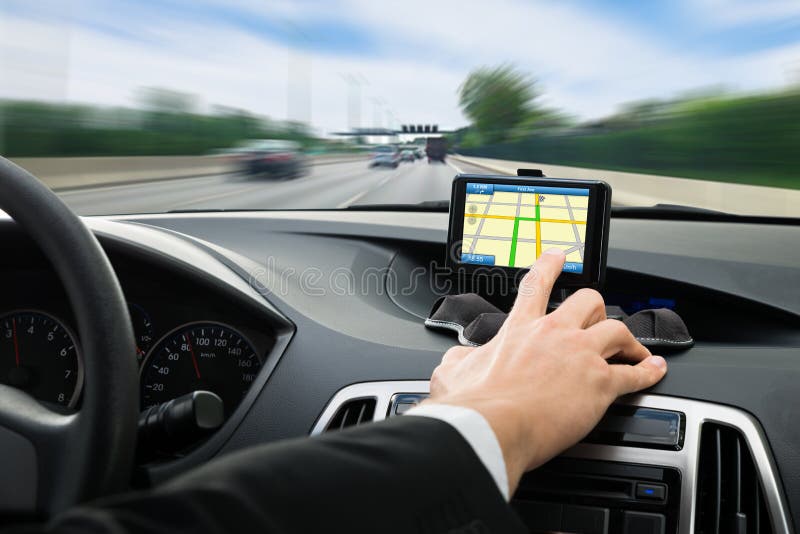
(335, 300)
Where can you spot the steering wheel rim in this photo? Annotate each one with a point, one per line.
(67, 459)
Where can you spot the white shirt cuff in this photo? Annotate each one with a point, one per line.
(475, 429)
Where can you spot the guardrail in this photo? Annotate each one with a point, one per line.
(73, 173)
(633, 189)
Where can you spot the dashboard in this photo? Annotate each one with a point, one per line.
(327, 308)
(184, 335)
(188, 336)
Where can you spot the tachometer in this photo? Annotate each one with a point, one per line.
(208, 356)
(39, 355)
(142, 330)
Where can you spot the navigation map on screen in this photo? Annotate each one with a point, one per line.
(510, 225)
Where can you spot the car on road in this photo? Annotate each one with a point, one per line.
(436, 149)
(385, 156)
(408, 155)
(273, 158)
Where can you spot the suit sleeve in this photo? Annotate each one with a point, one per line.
(405, 475)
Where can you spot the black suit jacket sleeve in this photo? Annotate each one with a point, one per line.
(406, 475)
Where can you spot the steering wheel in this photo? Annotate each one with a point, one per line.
(51, 461)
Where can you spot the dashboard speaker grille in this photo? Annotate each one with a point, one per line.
(729, 494)
(353, 413)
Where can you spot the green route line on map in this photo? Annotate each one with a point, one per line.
(513, 243)
(512, 256)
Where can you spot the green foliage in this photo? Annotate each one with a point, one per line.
(745, 139)
(36, 129)
(471, 139)
(497, 100)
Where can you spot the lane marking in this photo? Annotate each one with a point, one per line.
(217, 196)
(358, 196)
(459, 171)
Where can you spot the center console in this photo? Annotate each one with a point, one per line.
(653, 465)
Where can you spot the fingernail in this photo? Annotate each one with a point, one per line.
(658, 361)
(554, 250)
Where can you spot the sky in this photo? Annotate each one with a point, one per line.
(340, 63)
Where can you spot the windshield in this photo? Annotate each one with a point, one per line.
(138, 106)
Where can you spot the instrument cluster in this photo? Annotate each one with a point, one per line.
(187, 339)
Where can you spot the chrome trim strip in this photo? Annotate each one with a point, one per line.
(685, 460)
(381, 391)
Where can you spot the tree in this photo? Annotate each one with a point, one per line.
(497, 100)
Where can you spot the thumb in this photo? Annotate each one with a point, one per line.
(631, 378)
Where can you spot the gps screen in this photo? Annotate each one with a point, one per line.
(509, 225)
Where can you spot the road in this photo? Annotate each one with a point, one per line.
(333, 185)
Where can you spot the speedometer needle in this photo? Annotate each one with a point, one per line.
(191, 352)
(16, 343)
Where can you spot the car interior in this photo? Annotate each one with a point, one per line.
(225, 224)
(323, 311)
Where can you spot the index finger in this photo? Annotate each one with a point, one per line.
(534, 291)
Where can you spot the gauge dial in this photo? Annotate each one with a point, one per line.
(39, 355)
(208, 356)
(142, 330)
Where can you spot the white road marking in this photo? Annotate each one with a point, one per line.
(217, 196)
(358, 196)
(451, 164)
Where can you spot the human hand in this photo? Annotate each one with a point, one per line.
(543, 382)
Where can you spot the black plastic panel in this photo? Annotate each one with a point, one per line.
(738, 287)
(593, 485)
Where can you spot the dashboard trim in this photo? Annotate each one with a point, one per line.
(685, 460)
(180, 253)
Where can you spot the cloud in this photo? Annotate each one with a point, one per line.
(745, 12)
(587, 62)
(53, 61)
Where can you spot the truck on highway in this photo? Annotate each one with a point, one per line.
(436, 149)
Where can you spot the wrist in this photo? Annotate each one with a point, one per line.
(508, 428)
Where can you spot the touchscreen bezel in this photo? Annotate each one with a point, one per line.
(596, 239)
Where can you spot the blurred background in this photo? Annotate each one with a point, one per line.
(154, 105)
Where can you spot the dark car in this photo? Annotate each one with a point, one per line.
(436, 149)
(272, 158)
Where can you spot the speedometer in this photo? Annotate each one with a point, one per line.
(39, 355)
(208, 356)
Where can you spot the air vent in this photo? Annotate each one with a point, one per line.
(729, 495)
(353, 413)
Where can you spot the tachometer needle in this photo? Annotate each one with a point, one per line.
(16, 343)
(191, 352)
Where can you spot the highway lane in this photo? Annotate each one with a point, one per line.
(334, 185)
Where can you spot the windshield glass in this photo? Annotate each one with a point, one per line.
(137, 106)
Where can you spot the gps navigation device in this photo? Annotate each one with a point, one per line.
(502, 224)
